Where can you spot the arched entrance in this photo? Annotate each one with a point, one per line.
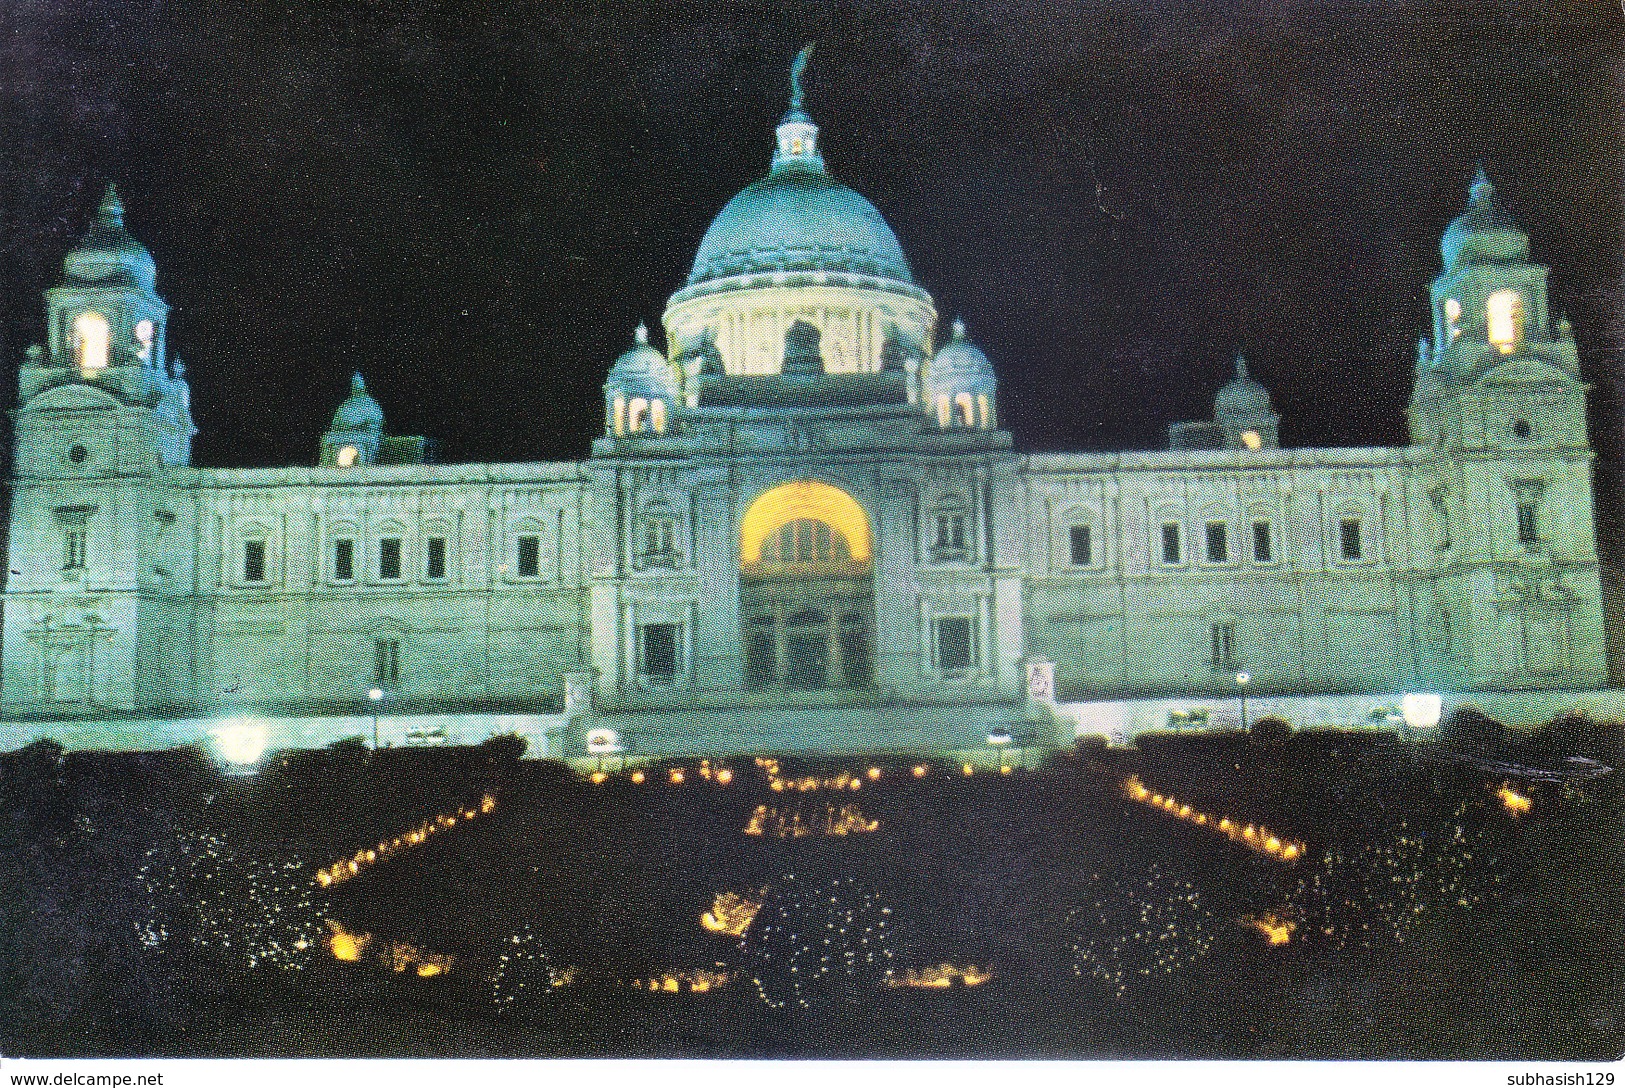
(806, 589)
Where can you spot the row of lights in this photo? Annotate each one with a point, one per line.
(940, 977)
(1252, 836)
(344, 869)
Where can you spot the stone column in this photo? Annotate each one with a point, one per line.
(781, 648)
(834, 672)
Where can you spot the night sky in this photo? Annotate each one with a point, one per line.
(475, 202)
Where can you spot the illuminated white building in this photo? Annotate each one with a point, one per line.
(803, 527)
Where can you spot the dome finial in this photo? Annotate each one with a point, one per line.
(641, 333)
(797, 67)
(358, 384)
(1241, 365)
(111, 208)
(1482, 190)
(959, 328)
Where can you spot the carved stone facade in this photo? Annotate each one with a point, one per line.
(800, 504)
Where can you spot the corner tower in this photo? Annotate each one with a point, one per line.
(1516, 601)
(102, 536)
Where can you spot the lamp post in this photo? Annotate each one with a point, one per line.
(1242, 680)
(1000, 739)
(375, 696)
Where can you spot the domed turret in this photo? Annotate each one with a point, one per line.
(640, 391)
(962, 386)
(1485, 231)
(1243, 412)
(108, 255)
(357, 431)
(1243, 398)
(794, 254)
(359, 412)
(1243, 419)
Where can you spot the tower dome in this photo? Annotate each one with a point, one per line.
(1243, 398)
(1485, 231)
(641, 370)
(962, 385)
(641, 391)
(107, 254)
(359, 412)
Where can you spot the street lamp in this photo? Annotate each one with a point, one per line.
(376, 697)
(1001, 739)
(1242, 680)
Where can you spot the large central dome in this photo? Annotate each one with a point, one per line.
(798, 275)
(799, 219)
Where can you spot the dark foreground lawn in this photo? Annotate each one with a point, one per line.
(1427, 920)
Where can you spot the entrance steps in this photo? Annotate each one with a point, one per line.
(875, 728)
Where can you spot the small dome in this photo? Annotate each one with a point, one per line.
(960, 358)
(359, 412)
(1485, 231)
(1242, 397)
(641, 369)
(107, 253)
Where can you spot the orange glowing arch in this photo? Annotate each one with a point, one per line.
(804, 499)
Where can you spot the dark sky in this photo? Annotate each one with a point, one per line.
(474, 202)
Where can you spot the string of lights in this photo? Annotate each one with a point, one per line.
(353, 866)
(1255, 837)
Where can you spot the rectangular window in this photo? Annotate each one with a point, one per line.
(253, 560)
(955, 651)
(951, 531)
(1224, 646)
(1349, 543)
(1263, 546)
(1528, 526)
(387, 663)
(389, 559)
(659, 651)
(529, 556)
(1170, 543)
(434, 558)
(73, 548)
(343, 560)
(1218, 546)
(1082, 550)
(659, 540)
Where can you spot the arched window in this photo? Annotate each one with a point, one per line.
(1505, 311)
(90, 337)
(806, 540)
(965, 413)
(942, 410)
(635, 413)
(1452, 319)
(657, 415)
(620, 415)
(984, 409)
(143, 337)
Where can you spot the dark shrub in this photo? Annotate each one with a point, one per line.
(505, 747)
(1270, 730)
(1471, 730)
(1092, 747)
